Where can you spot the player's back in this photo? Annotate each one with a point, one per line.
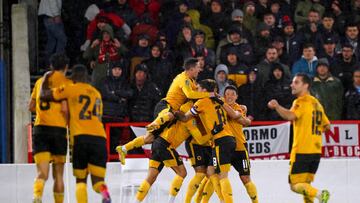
(213, 117)
(175, 96)
(85, 106)
(49, 113)
(309, 125)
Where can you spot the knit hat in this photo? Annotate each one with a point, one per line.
(323, 61)
(237, 13)
(141, 67)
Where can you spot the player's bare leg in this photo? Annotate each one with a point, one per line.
(58, 171)
(250, 188)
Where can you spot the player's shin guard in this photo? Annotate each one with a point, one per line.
(142, 191)
(81, 193)
(216, 185)
(252, 192)
(226, 190)
(208, 191)
(305, 189)
(38, 188)
(193, 186)
(137, 142)
(58, 197)
(176, 185)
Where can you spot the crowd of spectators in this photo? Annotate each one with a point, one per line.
(135, 48)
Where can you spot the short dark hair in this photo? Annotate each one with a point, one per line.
(314, 11)
(231, 87)
(59, 61)
(190, 63)
(305, 78)
(79, 73)
(308, 45)
(347, 45)
(356, 70)
(208, 84)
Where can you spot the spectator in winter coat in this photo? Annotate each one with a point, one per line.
(115, 93)
(146, 95)
(293, 43)
(328, 90)
(308, 62)
(196, 25)
(102, 52)
(311, 29)
(160, 69)
(265, 66)
(250, 20)
(328, 50)
(207, 70)
(234, 40)
(236, 68)
(303, 8)
(262, 40)
(352, 37)
(326, 32)
(237, 18)
(277, 87)
(251, 95)
(352, 99)
(345, 65)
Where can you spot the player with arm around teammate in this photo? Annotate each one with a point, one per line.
(86, 128)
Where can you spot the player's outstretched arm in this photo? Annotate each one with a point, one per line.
(181, 116)
(45, 91)
(283, 112)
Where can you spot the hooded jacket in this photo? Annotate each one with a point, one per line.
(221, 85)
(303, 66)
(195, 23)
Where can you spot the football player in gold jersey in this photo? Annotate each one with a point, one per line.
(181, 89)
(309, 122)
(49, 132)
(213, 114)
(164, 154)
(86, 128)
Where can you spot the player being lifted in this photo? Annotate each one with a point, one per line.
(86, 128)
(309, 122)
(182, 88)
(49, 133)
(164, 154)
(213, 114)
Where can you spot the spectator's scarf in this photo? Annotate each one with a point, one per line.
(107, 51)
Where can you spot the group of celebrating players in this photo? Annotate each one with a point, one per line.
(192, 112)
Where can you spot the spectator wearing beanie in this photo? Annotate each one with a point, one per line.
(250, 20)
(308, 62)
(293, 42)
(262, 40)
(277, 87)
(345, 66)
(328, 50)
(352, 99)
(115, 93)
(265, 66)
(160, 69)
(328, 90)
(303, 8)
(251, 95)
(102, 52)
(236, 68)
(217, 19)
(237, 19)
(235, 41)
(146, 95)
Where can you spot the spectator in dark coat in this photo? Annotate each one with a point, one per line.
(237, 17)
(277, 87)
(328, 50)
(123, 9)
(345, 65)
(328, 90)
(264, 67)
(251, 95)
(142, 48)
(175, 22)
(146, 95)
(262, 40)
(293, 43)
(115, 93)
(326, 32)
(352, 37)
(236, 68)
(352, 99)
(160, 70)
(270, 20)
(311, 28)
(207, 70)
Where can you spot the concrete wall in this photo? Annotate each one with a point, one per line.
(20, 81)
(340, 176)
